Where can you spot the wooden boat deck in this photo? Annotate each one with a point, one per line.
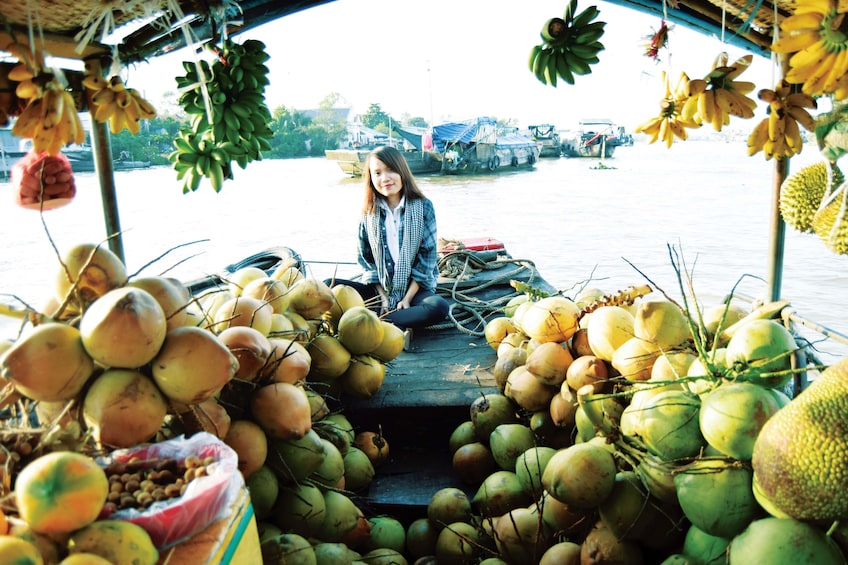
(427, 392)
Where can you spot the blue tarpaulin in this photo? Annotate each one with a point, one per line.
(465, 132)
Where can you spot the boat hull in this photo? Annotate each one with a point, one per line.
(594, 150)
(352, 161)
(492, 159)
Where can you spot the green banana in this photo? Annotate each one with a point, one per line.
(585, 17)
(564, 68)
(542, 65)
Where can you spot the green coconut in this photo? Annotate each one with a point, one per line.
(360, 330)
(783, 541)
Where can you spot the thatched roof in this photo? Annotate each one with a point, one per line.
(147, 28)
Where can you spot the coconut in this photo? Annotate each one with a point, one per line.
(124, 328)
(529, 466)
(601, 545)
(421, 537)
(300, 509)
(669, 424)
(289, 362)
(506, 363)
(527, 391)
(392, 343)
(580, 342)
(496, 329)
(90, 271)
(240, 278)
(193, 365)
(310, 297)
(48, 363)
(587, 369)
(208, 416)
(363, 377)
(330, 359)
(331, 469)
(661, 323)
(282, 410)
(345, 297)
(549, 362)
(563, 407)
(387, 534)
(374, 445)
(358, 469)
(449, 505)
(561, 517)
(581, 476)
(360, 330)
(458, 542)
(732, 416)
(171, 295)
(508, 441)
(473, 462)
(318, 407)
(515, 340)
(281, 326)
(243, 311)
(499, 493)
(634, 359)
(784, 540)
(340, 517)
(123, 408)
(287, 273)
(271, 291)
(250, 347)
(562, 553)
(553, 318)
(295, 459)
(520, 536)
(250, 443)
(609, 327)
(210, 301)
(488, 411)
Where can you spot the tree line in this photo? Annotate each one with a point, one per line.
(296, 134)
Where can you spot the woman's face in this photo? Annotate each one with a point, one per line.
(386, 181)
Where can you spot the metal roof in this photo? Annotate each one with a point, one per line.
(147, 28)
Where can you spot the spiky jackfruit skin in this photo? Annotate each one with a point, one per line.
(831, 223)
(800, 456)
(802, 192)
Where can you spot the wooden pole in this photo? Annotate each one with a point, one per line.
(102, 150)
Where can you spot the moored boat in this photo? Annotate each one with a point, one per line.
(548, 138)
(593, 137)
(478, 145)
(352, 161)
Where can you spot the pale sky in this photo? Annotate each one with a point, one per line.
(461, 59)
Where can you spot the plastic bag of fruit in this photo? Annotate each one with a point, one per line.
(173, 489)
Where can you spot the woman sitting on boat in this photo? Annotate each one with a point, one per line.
(397, 245)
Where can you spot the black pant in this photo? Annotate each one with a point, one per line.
(427, 307)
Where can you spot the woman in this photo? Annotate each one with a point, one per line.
(397, 245)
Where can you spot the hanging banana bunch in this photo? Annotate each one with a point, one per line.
(672, 122)
(570, 46)
(113, 102)
(778, 135)
(229, 115)
(50, 117)
(816, 36)
(722, 95)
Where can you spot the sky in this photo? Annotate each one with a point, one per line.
(452, 60)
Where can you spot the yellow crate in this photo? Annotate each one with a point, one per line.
(231, 540)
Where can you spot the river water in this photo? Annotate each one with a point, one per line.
(577, 221)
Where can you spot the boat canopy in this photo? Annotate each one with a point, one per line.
(459, 132)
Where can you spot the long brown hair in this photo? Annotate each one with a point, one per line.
(395, 161)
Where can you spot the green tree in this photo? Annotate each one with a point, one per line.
(374, 117)
(417, 122)
(290, 137)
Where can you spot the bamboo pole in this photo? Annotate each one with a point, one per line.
(102, 150)
(777, 234)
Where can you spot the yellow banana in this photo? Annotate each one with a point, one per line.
(776, 124)
(94, 82)
(103, 96)
(117, 121)
(775, 148)
(793, 135)
(104, 112)
(76, 132)
(706, 106)
(665, 133)
(53, 108)
(801, 22)
(801, 99)
(802, 116)
(719, 116)
(678, 130)
(145, 108)
(758, 137)
(805, 61)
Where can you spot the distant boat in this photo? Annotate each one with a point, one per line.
(352, 161)
(596, 138)
(548, 137)
(477, 146)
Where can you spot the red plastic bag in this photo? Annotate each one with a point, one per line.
(42, 181)
(206, 499)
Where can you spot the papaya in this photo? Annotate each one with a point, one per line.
(117, 541)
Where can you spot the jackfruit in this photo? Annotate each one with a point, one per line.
(802, 193)
(800, 456)
(830, 223)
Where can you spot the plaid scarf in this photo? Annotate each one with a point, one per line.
(397, 283)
